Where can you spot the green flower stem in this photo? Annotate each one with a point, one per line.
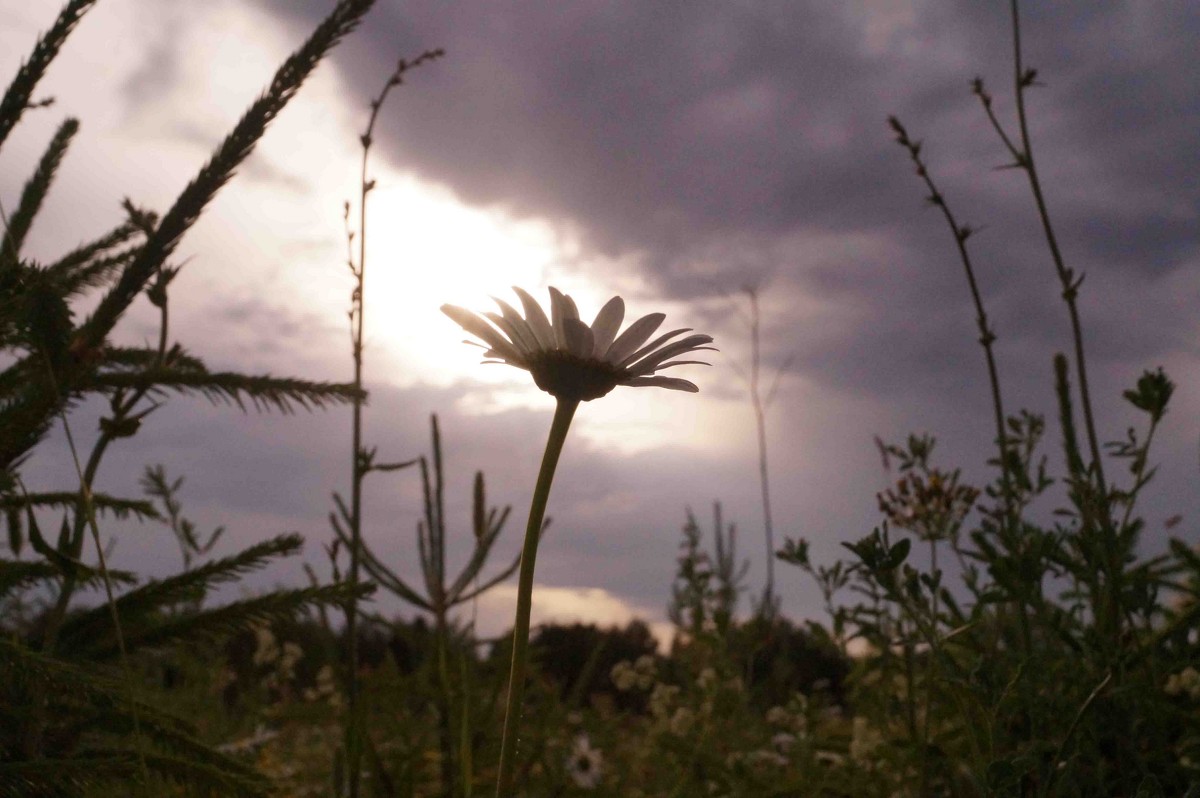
(563, 414)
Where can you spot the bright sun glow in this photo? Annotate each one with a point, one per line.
(426, 248)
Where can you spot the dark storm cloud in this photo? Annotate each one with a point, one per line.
(723, 143)
(710, 139)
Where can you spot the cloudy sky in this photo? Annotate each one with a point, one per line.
(671, 153)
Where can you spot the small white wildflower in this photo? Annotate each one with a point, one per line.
(584, 764)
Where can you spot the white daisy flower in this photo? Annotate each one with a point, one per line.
(584, 763)
(572, 360)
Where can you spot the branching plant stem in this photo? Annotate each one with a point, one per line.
(1023, 159)
(987, 336)
(359, 458)
(760, 402)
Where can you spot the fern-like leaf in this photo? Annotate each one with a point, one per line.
(238, 616)
(138, 359)
(20, 92)
(220, 168)
(86, 253)
(261, 392)
(101, 502)
(136, 606)
(35, 192)
(23, 423)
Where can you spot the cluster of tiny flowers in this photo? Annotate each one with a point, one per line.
(792, 719)
(932, 508)
(639, 675)
(1186, 682)
(281, 659)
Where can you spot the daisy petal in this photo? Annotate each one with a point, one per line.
(527, 340)
(608, 321)
(535, 317)
(559, 312)
(655, 344)
(509, 329)
(579, 338)
(648, 363)
(569, 307)
(682, 363)
(492, 357)
(634, 337)
(477, 326)
(674, 383)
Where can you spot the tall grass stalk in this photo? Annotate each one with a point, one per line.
(760, 403)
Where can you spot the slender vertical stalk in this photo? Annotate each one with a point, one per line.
(359, 460)
(1022, 80)
(759, 403)
(354, 709)
(987, 336)
(563, 413)
(760, 419)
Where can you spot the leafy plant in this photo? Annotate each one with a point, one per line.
(1044, 672)
(69, 720)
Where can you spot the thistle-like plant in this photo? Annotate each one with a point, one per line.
(707, 585)
(439, 596)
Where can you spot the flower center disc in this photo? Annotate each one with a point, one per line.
(567, 376)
